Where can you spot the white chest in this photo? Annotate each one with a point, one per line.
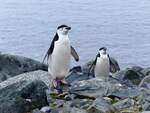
(102, 67)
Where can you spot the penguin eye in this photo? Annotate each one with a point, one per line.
(61, 29)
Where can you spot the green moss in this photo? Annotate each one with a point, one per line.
(114, 101)
(58, 96)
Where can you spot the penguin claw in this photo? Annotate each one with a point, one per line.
(56, 85)
(64, 82)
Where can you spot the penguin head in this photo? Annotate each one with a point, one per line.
(63, 29)
(103, 51)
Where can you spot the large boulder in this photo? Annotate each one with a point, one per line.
(145, 83)
(145, 99)
(24, 92)
(100, 105)
(93, 88)
(35, 75)
(12, 65)
(22, 97)
(131, 75)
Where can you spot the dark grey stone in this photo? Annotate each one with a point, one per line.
(126, 93)
(130, 75)
(13, 98)
(12, 65)
(93, 88)
(123, 104)
(145, 83)
(101, 106)
(145, 99)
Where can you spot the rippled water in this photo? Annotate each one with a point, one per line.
(123, 26)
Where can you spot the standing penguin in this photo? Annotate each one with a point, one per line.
(59, 55)
(103, 64)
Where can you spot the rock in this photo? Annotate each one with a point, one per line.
(76, 69)
(36, 111)
(76, 76)
(101, 106)
(130, 75)
(45, 109)
(77, 110)
(35, 75)
(86, 68)
(66, 108)
(13, 97)
(145, 99)
(11, 65)
(146, 71)
(81, 103)
(124, 93)
(123, 104)
(145, 83)
(92, 88)
(145, 112)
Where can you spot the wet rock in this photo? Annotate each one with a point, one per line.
(92, 88)
(12, 65)
(101, 106)
(13, 98)
(145, 83)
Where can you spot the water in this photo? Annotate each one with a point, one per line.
(123, 26)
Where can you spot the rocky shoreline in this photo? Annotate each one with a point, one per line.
(25, 88)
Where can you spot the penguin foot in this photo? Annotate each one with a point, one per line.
(56, 86)
(60, 85)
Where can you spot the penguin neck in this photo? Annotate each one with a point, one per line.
(103, 55)
(62, 36)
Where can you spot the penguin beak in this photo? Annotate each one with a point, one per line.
(104, 52)
(68, 28)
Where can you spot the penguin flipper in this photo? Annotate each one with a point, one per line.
(74, 54)
(114, 66)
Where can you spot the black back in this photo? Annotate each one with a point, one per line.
(98, 55)
(51, 48)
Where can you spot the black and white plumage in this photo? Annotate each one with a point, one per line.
(103, 64)
(59, 53)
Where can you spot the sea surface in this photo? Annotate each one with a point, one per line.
(123, 26)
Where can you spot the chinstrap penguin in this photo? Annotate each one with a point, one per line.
(59, 56)
(102, 64)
